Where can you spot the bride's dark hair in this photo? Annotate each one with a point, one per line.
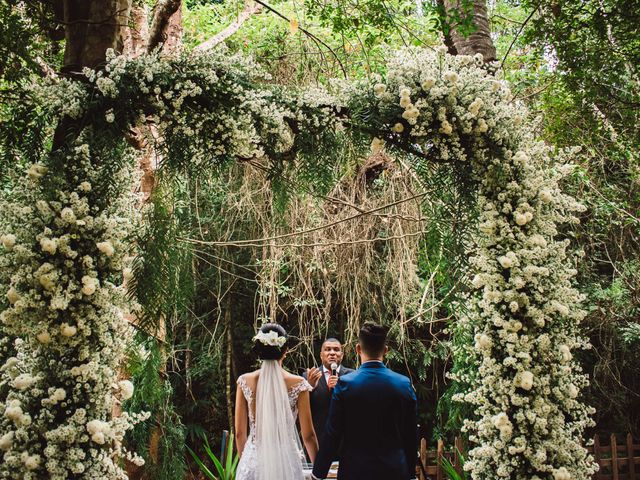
(271, 352)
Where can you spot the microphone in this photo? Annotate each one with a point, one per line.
(334, 368)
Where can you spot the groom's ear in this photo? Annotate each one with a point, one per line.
(358, 349)
(386, 350)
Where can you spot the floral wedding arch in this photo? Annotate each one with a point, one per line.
(67, 248)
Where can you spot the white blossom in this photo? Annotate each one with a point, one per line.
(68, 330)
(8, 241)
(67, 214)
(127, 273)
(526, 380)
(379, 88)
(48, 245)
(89, 285)
(451, 77)
(561, 474)
(13, 411)
(545, 196)
(398, 128)
(428, 83)
(106, 247)
(35, 171)
(32, 462)
(565, 354)
(6, 441)
(126, 389)
(12, 295)
(270, 338)
(23, 381)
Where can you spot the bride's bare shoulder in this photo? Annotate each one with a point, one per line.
(291, 379)
(251, 377)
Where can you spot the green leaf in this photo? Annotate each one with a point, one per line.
(202, 466)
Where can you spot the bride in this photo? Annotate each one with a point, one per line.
(270, 399)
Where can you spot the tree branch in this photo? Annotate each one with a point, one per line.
(250, 9)
(162, 14)
(45, 69)
(315, 39)
(522, 25)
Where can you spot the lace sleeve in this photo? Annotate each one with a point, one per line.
(302, 386)
(248, 394)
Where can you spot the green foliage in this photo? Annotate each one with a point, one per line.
(458, 15)
(363, 22)
(26, 49)
(344, 38)
(26, 33)
(631, 333)
(24, 134)
(225, 467)
(598, 51)
(162, 281)
(153, 393)
(449, 469)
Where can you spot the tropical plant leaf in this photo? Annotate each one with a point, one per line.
(202, 466)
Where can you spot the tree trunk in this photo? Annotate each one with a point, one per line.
(229, 389)
(137, 36)
(92, 28)
(173, 32)
(479, 41)
(163, 23)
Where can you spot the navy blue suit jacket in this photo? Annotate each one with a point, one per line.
(373, 416)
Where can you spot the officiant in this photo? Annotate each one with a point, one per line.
(323, 379)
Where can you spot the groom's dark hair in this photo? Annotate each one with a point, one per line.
(373, 338)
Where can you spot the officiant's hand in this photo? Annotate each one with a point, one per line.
(313, 375)
(332, 380)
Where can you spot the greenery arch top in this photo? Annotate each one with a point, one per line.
(67, 247)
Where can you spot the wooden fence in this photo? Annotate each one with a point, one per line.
(618, 461)
(432, 459)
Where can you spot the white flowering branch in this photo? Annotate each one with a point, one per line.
(523, 313)
(62, 253)
(251, 8)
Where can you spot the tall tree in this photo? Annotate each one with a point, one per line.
(465, 26)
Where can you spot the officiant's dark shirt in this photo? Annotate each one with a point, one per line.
(321, 399)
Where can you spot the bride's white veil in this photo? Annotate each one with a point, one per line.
(277, 443)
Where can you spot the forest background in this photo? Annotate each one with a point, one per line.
(574, 63)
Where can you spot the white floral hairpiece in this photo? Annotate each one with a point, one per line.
(270, 338)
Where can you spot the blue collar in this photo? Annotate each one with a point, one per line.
(373, 364)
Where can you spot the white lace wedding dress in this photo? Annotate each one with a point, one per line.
(250, 466)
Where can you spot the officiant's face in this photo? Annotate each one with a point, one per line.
(331, 352)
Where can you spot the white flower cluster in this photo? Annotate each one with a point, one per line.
(228, 118)
(60, 253)
(270, 338)
(523, 312)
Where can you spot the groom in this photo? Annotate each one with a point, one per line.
(373, 416)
